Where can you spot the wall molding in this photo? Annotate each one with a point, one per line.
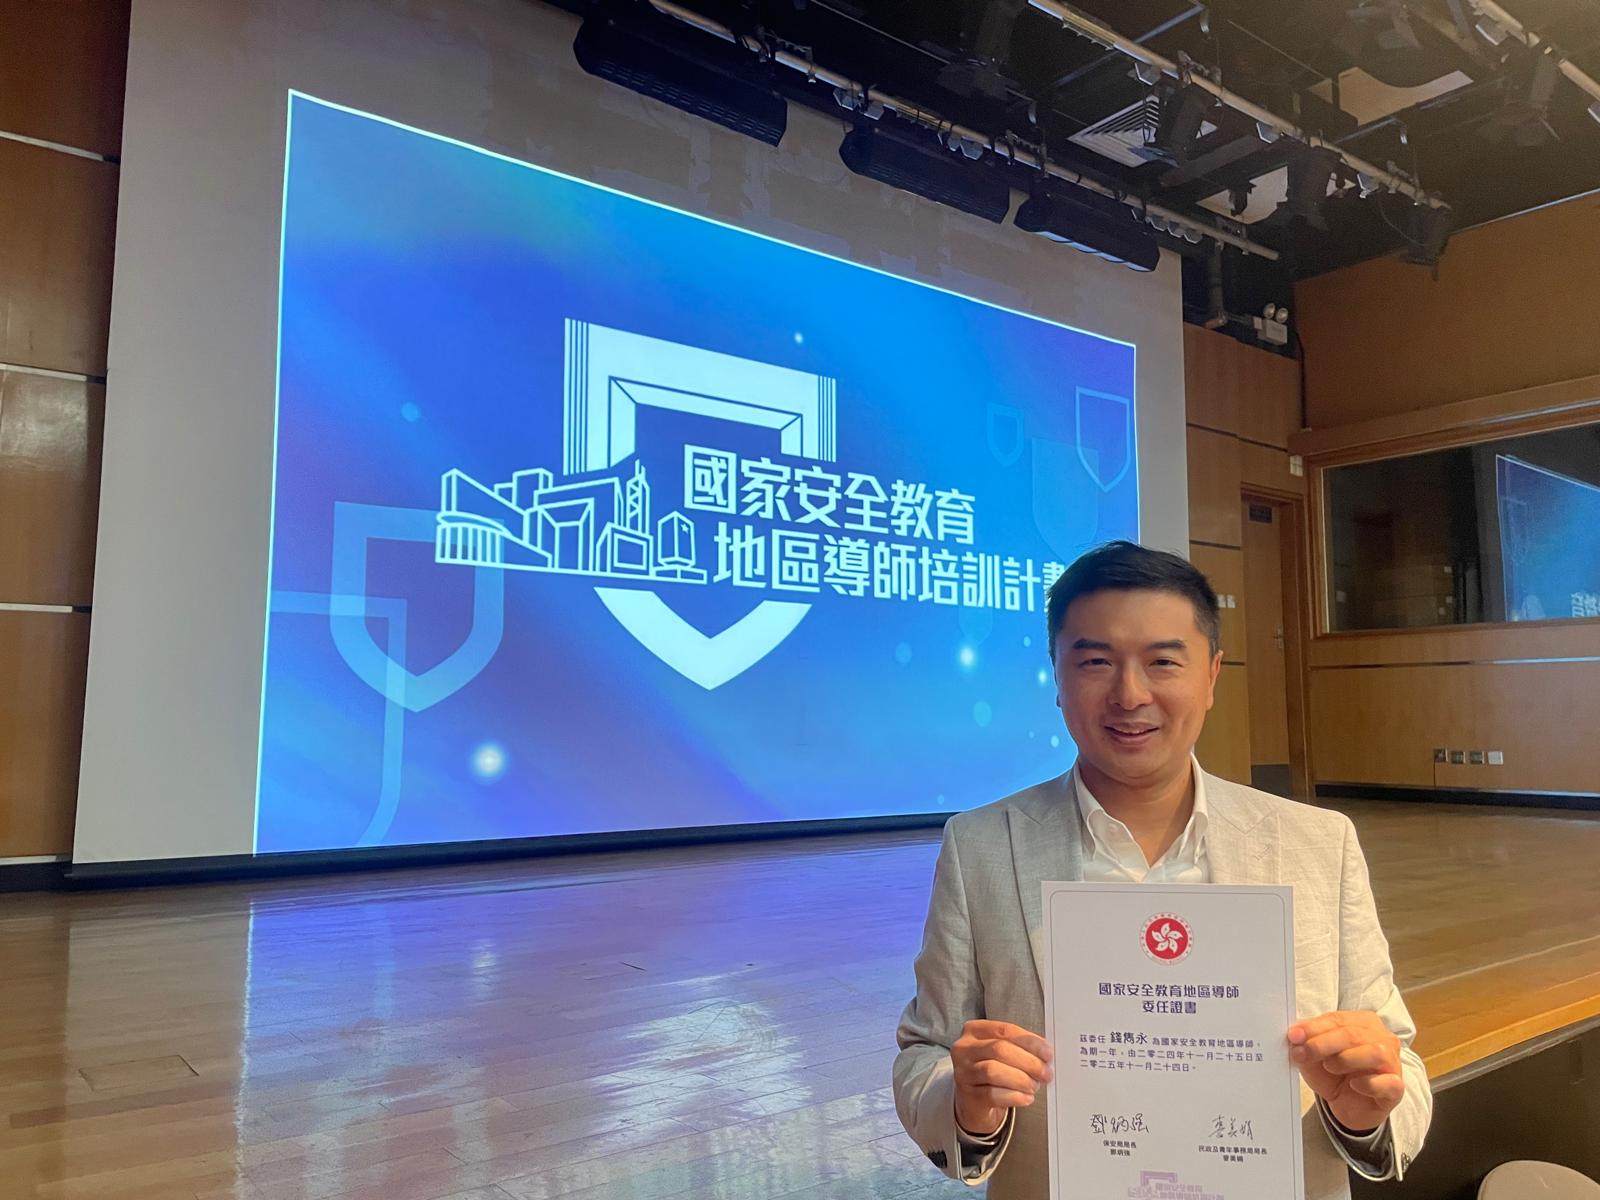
(59, 147)
(1463, 422)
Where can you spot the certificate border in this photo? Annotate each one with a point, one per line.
(1284, 893)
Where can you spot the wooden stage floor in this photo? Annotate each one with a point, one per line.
(701, 1022)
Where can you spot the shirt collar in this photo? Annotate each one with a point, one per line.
(1097, 821)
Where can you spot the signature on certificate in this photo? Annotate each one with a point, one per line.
(1231, 1127)
(1107, 1123)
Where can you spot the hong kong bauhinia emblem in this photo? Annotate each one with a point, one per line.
(1166, 938)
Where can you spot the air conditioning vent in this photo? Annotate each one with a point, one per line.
(1125, 136)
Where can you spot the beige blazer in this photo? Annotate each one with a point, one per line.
(983, 956)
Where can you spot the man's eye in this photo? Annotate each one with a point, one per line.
(1095, 662)
(1167, 662)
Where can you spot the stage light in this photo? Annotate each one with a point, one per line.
(1183, 111)
(690, 70)
(1430, 233)
(917, 163)
(1092, 223)
(971, 147)
(854, 101)
(1147, 73)
(1268, 133)
(1493, 32)
(1367, 183)
(1310, 172)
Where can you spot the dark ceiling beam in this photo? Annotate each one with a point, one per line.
(1243, 171)
(1208, 163)
(1052, 94)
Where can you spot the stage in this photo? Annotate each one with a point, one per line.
(712, 1020)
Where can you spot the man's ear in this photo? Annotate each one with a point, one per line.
(1211, 683)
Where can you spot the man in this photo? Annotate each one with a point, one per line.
(1133, 635)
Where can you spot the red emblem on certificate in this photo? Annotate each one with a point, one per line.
(1166, 938)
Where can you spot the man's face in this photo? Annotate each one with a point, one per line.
(1135, 677)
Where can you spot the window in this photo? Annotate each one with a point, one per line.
(1500, 531)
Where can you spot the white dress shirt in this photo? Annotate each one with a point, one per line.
(1111, 854)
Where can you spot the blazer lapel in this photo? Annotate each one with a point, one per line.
(1045, 846)
(1242, 837)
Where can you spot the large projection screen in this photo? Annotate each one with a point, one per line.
(594, 488)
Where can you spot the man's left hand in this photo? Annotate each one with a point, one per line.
(1352, 1061)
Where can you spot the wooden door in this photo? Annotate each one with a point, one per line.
(1265, 644)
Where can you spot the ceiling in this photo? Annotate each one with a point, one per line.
(1408, 85)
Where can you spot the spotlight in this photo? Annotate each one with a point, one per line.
(666, 60)
(857, 102)
(971, 147)
(1493, 32)
(1367, 183)
(1092, 223)
(1268, 133)
(1430, 233)
(1280, 314)
(1310, 172)
(1183, 111)
(915, 163)
(1147, 73)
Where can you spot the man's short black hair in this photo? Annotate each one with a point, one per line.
(1130, 567)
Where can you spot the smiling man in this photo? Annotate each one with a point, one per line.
(1133, 636)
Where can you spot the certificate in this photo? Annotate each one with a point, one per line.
(1168, 1006)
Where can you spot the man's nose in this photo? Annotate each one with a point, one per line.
(1130, 690)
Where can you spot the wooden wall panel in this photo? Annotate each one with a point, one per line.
(57, 229)
(1381, 725)
(1211, 378)
(63, 67)
(50, 438)
(43, 661)
(1240, 389)
(1224, 745)
(1516, 304)
(1268, 467)
(1225, 570)
(1269, 405)
(1213, 487)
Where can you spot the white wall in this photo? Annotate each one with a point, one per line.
(173, 706)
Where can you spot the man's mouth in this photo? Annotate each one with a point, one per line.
(1128, 733)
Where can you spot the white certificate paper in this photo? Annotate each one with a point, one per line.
(1168, 1006)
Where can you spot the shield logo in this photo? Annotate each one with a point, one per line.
(1005, 434)
(354, 527)
(1105, 436)
(709, 661)
(611, 374)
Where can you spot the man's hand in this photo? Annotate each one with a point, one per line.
(1352, 1061)
(998, 1066)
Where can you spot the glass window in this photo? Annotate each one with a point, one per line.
(1500, 531)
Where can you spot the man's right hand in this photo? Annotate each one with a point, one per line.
(998, 1066)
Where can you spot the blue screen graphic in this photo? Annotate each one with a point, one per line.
(1549, 542)
(592, 515)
